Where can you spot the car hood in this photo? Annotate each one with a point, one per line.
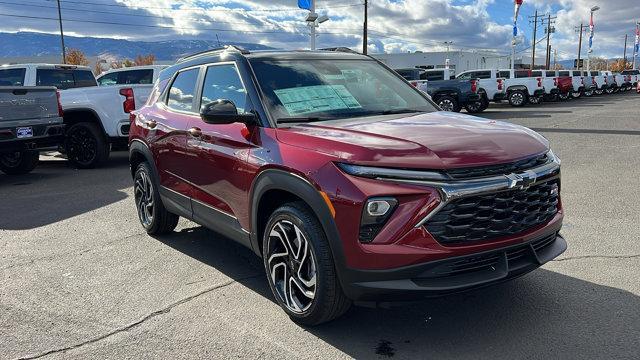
(437, 140)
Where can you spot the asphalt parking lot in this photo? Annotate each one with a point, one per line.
(81, 279)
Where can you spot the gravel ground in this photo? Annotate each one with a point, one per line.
(80, 279)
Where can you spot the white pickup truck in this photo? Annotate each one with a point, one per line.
(598, 82)
(96, 117)
(491, 86)
(521, 87)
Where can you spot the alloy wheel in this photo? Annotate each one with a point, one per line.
(143, 192)
(82, 146)
(446, 105)
(517, 99)
(291, 265)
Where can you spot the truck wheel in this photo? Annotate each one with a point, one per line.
(474, 107)
(517, 98)
(576, 94)
(588, 93)
(599, 91)
(535, 100)
(564, 96)
(449, 103)
(86, 145)
(610, 90)
(300, 268)
(153, 216)
(19, 163)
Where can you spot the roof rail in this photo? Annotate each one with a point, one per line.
(223, 48)
(341, 49)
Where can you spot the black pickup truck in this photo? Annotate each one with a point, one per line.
(30, 120)
(449, 93)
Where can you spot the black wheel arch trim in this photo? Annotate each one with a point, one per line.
(139, 147)
(82, 110)
(518, 87)
(277, 179)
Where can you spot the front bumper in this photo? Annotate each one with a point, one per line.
(453, 275)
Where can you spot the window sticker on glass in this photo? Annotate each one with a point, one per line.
(310, 99)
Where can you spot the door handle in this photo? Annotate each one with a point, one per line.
(195, 132)
(151, 124)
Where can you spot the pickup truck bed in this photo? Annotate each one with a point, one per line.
(30, 120)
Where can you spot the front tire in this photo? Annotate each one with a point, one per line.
(153, 216)
(564, 96)
(576, 94)
(86, 145)
(300, 268)
(19, 162)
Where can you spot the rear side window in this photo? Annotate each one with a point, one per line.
(536, 73)
(183, 90)
(12, 77)
(466, 76)
(564, 73)
(432, 75)
(522, 74)
(550, 74)
(595, 73)
(223, 82)
(136, 77)
(505, 74)
(483, 75)
(577, 73)
(65, 79)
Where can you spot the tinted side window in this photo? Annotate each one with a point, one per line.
(223, 82)
(483, 74)
(505, 74)
(62, 79)
(84, 78)
(12, 77)
(536, 73)
(522, 74)
(136, 77)
(564, 73)
(108, 79)
(183, 90)
(465, 76)
(550, 74)
(577, 73)
(432, 75)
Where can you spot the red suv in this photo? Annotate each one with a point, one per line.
(346, 180)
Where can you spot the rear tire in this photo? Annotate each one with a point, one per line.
(300, 268)
(588, 93)
(86, 146)
(153, 216)
(564, 96)
(19, 163)
(576, 94)
(518, 98)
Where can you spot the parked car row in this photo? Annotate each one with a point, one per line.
(95, 118)
(475, 89)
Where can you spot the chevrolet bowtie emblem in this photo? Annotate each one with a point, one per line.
(522, 181)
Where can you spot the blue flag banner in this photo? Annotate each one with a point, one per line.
(304, 4)
(515, 31)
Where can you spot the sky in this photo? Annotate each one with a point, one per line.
(394, 25)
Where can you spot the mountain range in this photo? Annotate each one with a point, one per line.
(29, 44)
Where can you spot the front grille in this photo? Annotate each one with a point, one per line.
(490, 216)
(501, 169)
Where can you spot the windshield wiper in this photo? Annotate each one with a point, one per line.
(286, 120)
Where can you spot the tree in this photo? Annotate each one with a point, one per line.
(97, 69)
(619, 65)
(76, 57)
(598, 63)
(145, 60)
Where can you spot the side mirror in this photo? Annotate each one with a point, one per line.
(224, 111)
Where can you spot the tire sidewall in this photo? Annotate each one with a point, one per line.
(294, 215)
(101, 146)
(144, 167)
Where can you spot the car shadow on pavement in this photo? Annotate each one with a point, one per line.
(525, 114)
(542, 315)
(55, 191)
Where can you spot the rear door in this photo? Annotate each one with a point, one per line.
(220, 152)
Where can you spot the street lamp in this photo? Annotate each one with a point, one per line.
(593, 9)
(446, 60)
(313, 21)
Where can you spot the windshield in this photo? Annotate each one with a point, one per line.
(317, 90)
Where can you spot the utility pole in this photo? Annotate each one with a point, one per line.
(625, 51)
(550, 30)
(313, 25)
(535, 33)
(64, 55)
(579, 45)
(364, 33)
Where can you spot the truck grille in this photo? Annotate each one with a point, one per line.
(501, 169)
(490, 216)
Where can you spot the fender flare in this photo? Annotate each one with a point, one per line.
(139, 147)
(518, 87)
(93, 112)
(277, 179)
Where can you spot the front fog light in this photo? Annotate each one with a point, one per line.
(375, 214)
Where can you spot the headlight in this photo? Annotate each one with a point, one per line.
(390, 173)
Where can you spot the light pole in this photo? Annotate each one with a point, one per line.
(446, 60)
(517, 4)
(593, 9)
(313, 21)
(64, 55)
